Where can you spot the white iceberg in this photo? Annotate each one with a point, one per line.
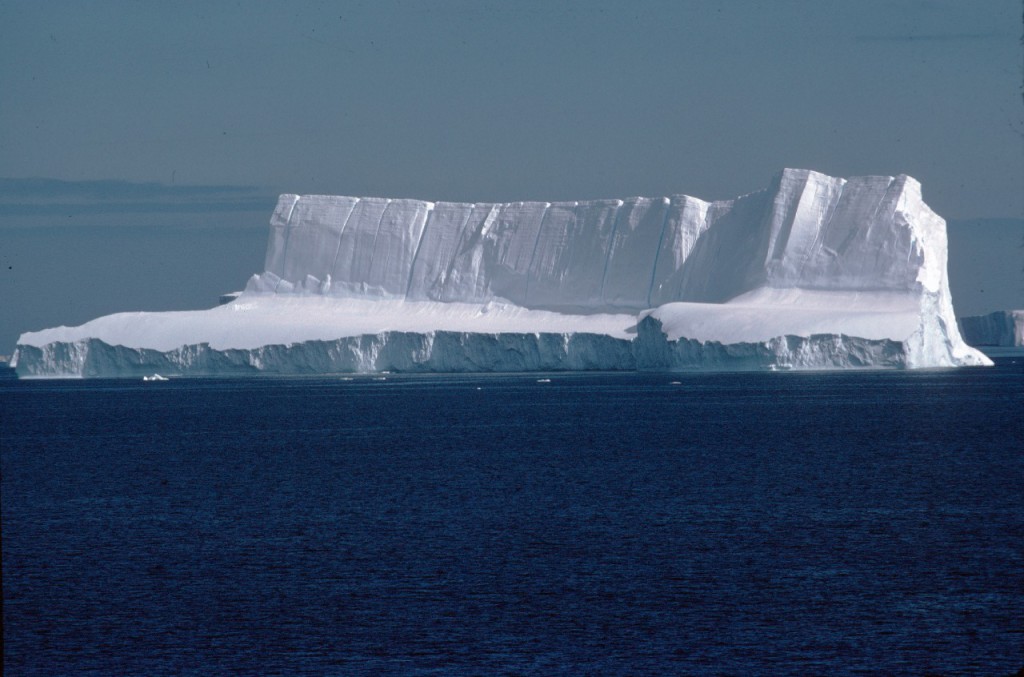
(813, 273)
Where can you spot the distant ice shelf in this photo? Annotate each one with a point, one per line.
(814, 272)
(1003, 328)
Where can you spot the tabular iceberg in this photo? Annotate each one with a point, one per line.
(814, 272)
(1003, 328)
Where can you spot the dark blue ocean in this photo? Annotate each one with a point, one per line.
(750, 523)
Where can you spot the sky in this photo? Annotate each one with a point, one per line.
(142, 144)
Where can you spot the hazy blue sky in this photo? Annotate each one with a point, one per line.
(218, 106)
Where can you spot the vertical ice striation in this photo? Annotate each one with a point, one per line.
(727, 258)
(830, 233)
(440, 237)
(632, 252)
(510, 242)
(685, 223)
(398, 238)
(808, 231)
(350, 273)
(316, 227)
(277, 248)
(466, 278)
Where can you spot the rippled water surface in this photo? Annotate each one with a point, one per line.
(596, 524)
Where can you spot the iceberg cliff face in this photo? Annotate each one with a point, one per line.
(1003, 328)
(814, 272)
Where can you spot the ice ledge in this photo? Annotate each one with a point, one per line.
(399, 352)
(460, 352)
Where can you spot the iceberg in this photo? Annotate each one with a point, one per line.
(814, 272)
(1003, 328)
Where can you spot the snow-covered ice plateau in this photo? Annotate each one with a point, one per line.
(814, 272)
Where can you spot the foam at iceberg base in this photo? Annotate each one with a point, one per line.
(812, 273)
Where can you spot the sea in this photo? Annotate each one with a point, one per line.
(787, 523)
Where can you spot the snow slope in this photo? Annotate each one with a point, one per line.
(813, 272)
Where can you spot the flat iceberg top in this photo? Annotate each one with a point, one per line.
(255, 320)
(766, 313)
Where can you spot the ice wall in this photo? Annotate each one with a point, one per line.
(1003, 328)
(807, 231)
